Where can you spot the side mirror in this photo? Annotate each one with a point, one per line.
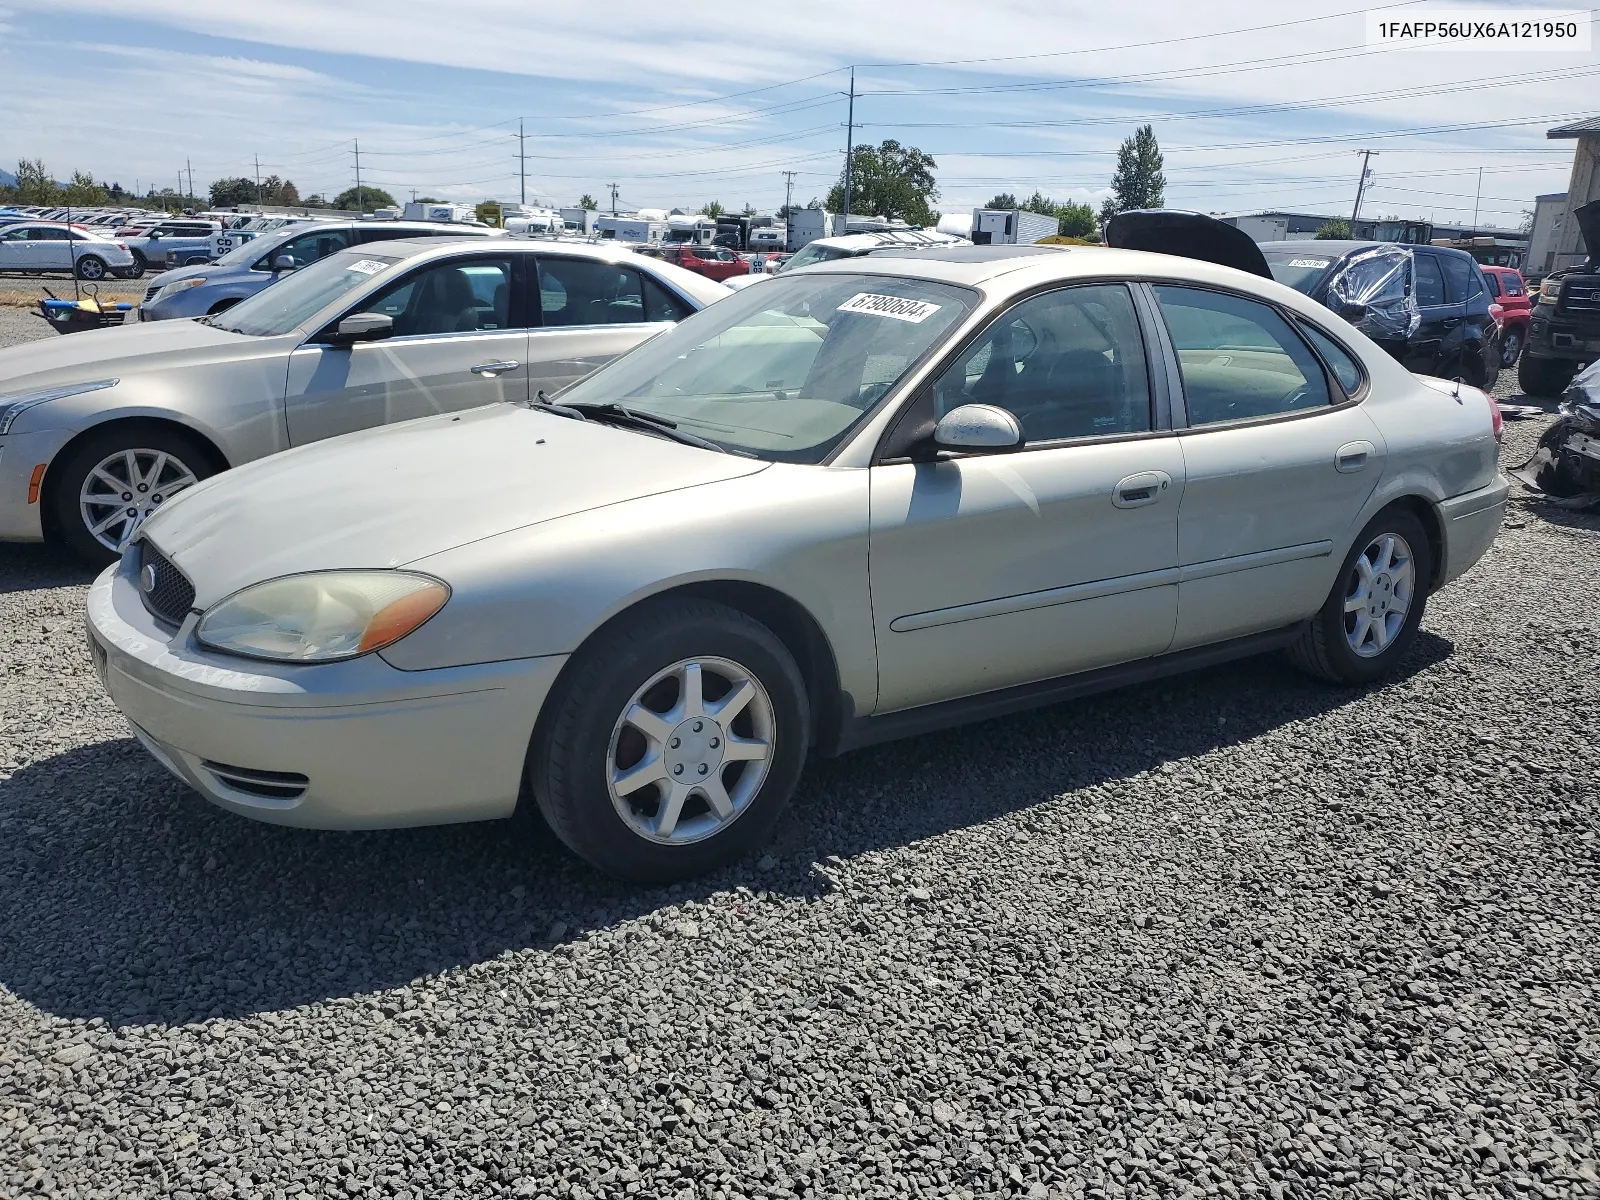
(283, 263)
(363, 327)
(978, 427)
(155, 235)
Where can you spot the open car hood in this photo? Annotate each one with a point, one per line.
(1588, 218)
(1187, 235)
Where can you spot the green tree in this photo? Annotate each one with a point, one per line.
(1040, 203)
(34, 185)
(279, 191)
(1005, 200)
(225, 193)
(1137, 182)
(83, 191)
(588, 202)
(1335, 229)
(713, 208)
(367, 199)
(1077, 220)
(889, 180)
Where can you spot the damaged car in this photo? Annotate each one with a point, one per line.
(1566, 465)
(1565, 332)
(1427, 306)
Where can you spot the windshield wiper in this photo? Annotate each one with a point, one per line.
(632, 418)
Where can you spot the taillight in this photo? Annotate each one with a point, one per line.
(1498, 417)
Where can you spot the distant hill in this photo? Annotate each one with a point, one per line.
(7, 179)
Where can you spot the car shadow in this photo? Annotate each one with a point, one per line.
(32, 566)
(126, 897)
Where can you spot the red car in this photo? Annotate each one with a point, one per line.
(1510, 308)
(714, 262)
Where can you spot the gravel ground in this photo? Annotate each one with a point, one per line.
(1232, 934)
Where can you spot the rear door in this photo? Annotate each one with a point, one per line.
(460, 340)
(1439, 331)
(590, 311)
(54, 248)
(1279, 458)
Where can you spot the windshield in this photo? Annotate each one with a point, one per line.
(242, 253)
(816, 252)
(785, 370)
(294, 299)
(1299, 271)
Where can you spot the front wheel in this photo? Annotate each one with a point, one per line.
(102, 491)
(1510, 348)
(1371, 615)
(672, 742)
(1544, 376)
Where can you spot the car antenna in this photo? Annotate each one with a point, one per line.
(1457, 391)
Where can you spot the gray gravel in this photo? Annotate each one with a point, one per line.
(18, 325)
(1234, 934)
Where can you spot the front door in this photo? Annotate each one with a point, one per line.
(994, 570)
(460, 340)
(590, 312)
(1278, 463)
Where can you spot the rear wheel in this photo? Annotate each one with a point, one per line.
(103, 490)
(1371, 615)
(673, 741)
(91, 266)
(140, 265)
(1544, 376)
(1510, 347)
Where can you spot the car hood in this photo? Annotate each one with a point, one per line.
(204, 271)
(114, 352)
(392, 495)
(1187, 235)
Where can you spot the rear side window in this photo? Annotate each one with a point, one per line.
(1430, 283)
(1340, 361)
(1239, 359)
(587, 292)
(1492, 282)
(1458, 277)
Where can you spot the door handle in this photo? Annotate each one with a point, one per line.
(1352, 457)
(1136, 491)
(490, 370)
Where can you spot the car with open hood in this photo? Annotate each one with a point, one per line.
(876, 497)
(1564, 334)
(99, 430)
(1428, 306)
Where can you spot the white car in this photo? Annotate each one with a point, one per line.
(34, 247)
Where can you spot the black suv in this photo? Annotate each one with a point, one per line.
(1565, 331)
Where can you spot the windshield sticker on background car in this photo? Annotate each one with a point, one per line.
(368, 266)
(897, 307)
(1309, 262)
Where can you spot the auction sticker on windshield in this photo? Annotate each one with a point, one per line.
(897, 307)
(368, 266)
(1309, 262)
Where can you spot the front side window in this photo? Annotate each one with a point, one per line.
(787, 369)
(307, 249)
(1430, 283)
(1066, 364)
(1239, 359)
(453, 297)
(586, 291)
(660, 304)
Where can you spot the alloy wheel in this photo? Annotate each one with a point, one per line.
(125, 488)
(1378, 594)
(690, 751)
(1511, 348)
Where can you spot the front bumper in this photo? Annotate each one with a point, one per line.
(1471, 522)
(350, 745)
(20, 455)
(1559, 336)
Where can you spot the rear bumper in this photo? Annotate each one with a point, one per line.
(351, 745)
(1470, 523)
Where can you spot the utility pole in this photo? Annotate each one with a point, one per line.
(360, 198)
(788, 193)
(258, 181)
(1475, 200)
(522, 153)
(190, 167)
(180, 191)
(1361, 187)
(613, 188)
(849, 153)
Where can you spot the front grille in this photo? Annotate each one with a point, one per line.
(166, 592)
(150, 293)
(1582, 297)
(267, 785)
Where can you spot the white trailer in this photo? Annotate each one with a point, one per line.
(580, 221)
(461, 214)
(1264, 229)
(535, 222)
(631, 229)
(1011, 227)
(805, 226)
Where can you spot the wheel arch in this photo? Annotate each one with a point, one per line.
(1432, 521)
(52, 473)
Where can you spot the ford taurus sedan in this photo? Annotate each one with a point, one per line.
(99, 430)
(864, 500)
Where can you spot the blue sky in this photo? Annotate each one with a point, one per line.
(682, 102)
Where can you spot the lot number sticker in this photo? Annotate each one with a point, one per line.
(1309, 262)
(897, 307)
(367, 266)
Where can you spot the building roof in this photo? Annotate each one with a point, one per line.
(1588, 127)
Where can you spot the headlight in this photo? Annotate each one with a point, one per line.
(1550, 290)
(182, 285)
(13, 406)
(321, 616)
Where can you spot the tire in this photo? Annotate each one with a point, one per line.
(1327, 647)
(1545, 377)
(140, 265)
(186, 462)
(584, 741)
(1489, 369)
(92, 267)
(1511, 348)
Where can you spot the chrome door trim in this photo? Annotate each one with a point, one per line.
(1095, 589)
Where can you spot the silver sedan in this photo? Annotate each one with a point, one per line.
(98, 430)
(861, 501)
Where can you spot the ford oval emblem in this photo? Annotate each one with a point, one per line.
(147, 577)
